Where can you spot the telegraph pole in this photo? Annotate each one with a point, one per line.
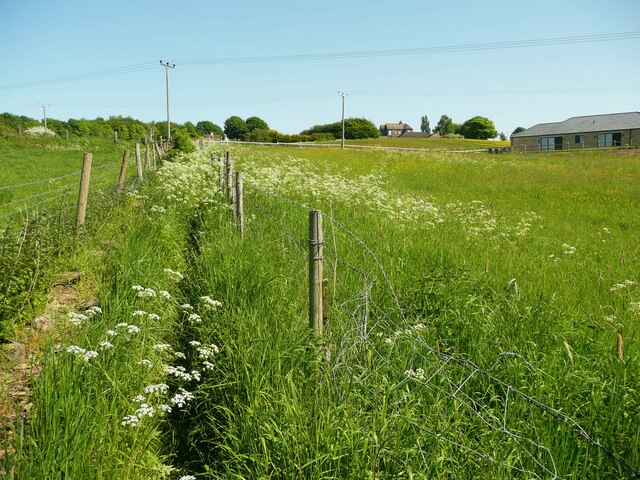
(44, 114)
(167, 66)
(343, 94)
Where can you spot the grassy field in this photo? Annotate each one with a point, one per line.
(429, 143)
(37, 171)
(483, 310)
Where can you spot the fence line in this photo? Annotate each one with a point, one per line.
(364, 147)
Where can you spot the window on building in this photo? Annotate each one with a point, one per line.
(579, 139)
(550, 143)
(609, 139)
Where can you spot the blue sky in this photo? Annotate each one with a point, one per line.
(44, 40)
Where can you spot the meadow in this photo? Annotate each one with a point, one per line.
(483, 314)
(428, 143)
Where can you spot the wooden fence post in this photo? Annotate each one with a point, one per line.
(316, 242)
(147, 157)
(138, 162)
(239, 203)
(159, 152)
(221, 174)
(115, 136)
(123, 173)
(83, 195)
(229, 169)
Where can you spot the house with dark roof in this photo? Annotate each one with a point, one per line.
(591, 131)
(394, 129)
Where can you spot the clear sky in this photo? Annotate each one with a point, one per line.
(43, 40)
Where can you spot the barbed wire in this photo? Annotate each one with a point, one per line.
(52, 179)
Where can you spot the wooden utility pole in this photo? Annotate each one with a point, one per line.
(167, 66)
(83, 195)
(316, 242)
(342, 94)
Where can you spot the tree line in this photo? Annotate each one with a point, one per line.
(477, 127)
(254, 129)
(127, 128)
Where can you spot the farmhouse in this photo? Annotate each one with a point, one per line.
(591, 131)
(394, 129)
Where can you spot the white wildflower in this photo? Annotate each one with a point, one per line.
(89, 354)
(194, 343)
(157, 387)
(164, 294)
(194, 317)
(210, 303)
(186, 306)
(76, 318)
(105, 345)
(145, 410)
(173, 275)
(130, 420)
(162, 346)
(145, 362)
(75, 349)
(180, 399)
(208, 365)
(139, 398)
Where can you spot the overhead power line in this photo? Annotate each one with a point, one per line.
(140, 67)
(541, 42)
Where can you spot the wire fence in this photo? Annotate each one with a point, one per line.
(41, 194)
(365, 305)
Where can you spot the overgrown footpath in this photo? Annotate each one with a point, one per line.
(109, 374)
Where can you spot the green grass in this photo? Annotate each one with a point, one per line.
(38, 164)
(456, 285)
(428, 143)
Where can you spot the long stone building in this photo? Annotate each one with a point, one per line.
(591, 131)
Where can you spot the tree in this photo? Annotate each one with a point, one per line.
(354, 128)
(424, 124)
(518, 130)
(235, 128)
(445, 126)
(256, 123)
(480, 128)
(503, 136)
(191, 130)
(205, 127)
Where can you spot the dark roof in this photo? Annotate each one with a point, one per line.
(397, 126)
(588, 123)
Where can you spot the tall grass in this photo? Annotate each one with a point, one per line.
(471, 336)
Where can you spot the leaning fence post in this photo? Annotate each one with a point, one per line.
(316, 242)
(239, 203)
(83, 195)
(147, 157)
(123, 173)
(138, 162)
